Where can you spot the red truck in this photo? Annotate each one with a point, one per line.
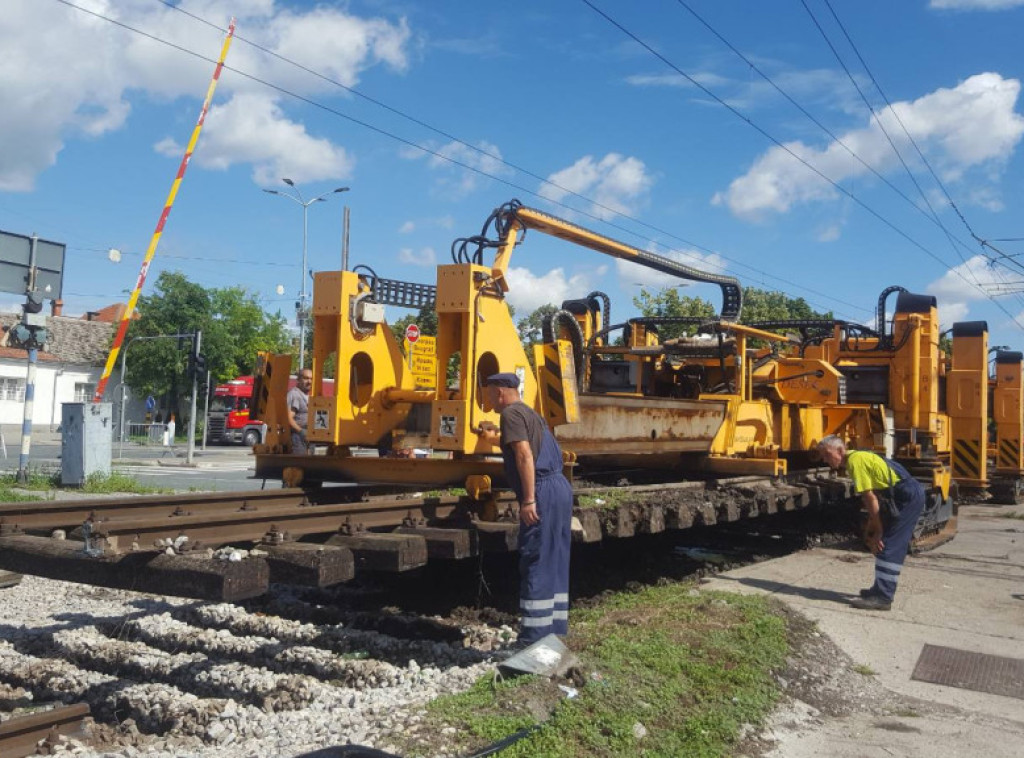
(228, 420)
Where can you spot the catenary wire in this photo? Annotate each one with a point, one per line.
(790, 152)
(912, 141)
(817, 122)
(884, 131)
(509, 164)
(521, 188)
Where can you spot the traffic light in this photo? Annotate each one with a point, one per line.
(26, 337)
(33, 303)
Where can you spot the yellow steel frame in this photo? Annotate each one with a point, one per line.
(1008, 414)
(967, 404)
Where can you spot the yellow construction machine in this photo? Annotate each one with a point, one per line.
(730, 399)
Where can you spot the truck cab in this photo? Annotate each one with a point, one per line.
(228, 420)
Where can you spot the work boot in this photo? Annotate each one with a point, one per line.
(872, 603)
(869, 592)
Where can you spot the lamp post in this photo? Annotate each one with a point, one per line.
(297, 197)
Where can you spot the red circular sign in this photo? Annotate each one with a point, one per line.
(412, 333)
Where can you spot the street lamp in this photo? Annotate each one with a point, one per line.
(297, 197)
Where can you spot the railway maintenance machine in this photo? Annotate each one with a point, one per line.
(732, 399)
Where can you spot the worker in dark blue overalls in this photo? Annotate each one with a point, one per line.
(893, 500)
(533, 468)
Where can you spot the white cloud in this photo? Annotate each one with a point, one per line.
(461, 168)
(527, 292)
(617, 184)
(975, 5)
(830, 233)
(425, 256)
(971, 125)
(407, 228)
(969, 282)
(636, 275)
(829, 88)
(66, 75)
(951, 313)
(251, 128)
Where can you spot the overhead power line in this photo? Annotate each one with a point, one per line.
(789, 151)
(906, 132)
(454, 161)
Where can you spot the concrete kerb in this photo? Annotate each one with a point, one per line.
(967, 594)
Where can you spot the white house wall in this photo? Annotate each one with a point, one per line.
(54, 385)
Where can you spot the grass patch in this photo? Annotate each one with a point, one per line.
(863, 670)
(37, 479)
(99, 484)
(691, 669)
(43, 480)
(450, 492)
(10, 495)
(604, 500)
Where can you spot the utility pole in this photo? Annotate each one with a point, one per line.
(31, 334)
(206, 410)
(344, 240)
(300, 307)
(194, 363)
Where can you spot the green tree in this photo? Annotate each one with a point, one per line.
(758, 305)
(531, 327)
(669, 304)
(766, 305)
(234, 328)
(425, 319)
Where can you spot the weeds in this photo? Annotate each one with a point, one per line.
(668, 671)
(603, 500)
(45, 480)
(101, 484)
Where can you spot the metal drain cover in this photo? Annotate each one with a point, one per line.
(971, 671)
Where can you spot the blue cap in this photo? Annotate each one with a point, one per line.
(503, 380)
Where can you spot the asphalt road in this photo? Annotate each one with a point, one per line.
(216, 468)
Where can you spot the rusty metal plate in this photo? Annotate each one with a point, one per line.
(971, 671)
(616, 424)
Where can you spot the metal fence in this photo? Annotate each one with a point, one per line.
(145, 434)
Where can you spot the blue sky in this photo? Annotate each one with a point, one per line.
(652, 123)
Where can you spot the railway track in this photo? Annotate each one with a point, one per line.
(26, 735)
(171, 677)
(231, 546)
(300, 668)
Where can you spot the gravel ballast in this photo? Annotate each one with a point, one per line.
(176, 677)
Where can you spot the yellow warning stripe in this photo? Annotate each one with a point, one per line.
(967, 459)
(1009, 454)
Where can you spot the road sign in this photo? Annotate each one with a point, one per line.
(16, 258)
(412, 333)
(420, 356)
(150, 403)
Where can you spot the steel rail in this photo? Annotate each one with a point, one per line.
(222, 527)
(214, 513)
(35, 515)
(20, 736)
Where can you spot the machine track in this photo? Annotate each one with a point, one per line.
(232, 546)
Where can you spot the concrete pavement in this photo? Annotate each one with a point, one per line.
(967, 594)
(46, 449)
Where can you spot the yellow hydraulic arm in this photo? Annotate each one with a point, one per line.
(513, 218)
